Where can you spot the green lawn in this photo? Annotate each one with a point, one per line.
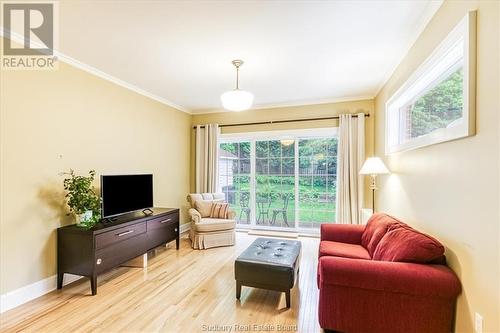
(315, 207)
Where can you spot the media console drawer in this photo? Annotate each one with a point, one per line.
(118, 253)
(163, 230)
(118, 235)
(163, 222)
(89, 252)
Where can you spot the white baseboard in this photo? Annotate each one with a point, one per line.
(273, 233)
(27, 293)
(185, 227)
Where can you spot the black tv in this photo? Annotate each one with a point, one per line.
(126, 193)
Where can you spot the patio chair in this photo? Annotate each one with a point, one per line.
(283, 210)
(263, 206)
(244, 204)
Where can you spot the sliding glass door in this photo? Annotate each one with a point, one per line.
(284, 180)
(317, 181)
(234, 177)
(275, 183)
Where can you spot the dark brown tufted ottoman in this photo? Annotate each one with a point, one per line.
(268, 264)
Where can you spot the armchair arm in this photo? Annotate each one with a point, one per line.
(392, 277)
(195, 215)
(231, 214)
(345, 233)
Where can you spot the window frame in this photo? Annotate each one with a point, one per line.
(418, 84)
(295, 134)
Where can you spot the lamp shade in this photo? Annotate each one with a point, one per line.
(236, 100)
(373, 166)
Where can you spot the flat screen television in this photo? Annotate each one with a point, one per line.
(125, 193)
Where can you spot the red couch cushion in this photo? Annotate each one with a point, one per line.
(345, 250)
(405, 244)
(376, 228)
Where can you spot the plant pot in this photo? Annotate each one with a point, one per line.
(84, 219)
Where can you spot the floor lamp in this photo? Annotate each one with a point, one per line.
(373, 166)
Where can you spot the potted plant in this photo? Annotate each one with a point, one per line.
(82, 199)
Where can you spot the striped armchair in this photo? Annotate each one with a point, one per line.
(207, 232)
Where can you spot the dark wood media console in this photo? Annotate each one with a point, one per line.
(89, 252)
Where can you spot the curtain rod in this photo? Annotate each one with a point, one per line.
(282, 121)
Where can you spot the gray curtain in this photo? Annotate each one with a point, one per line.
(206, 158)
(351, 155)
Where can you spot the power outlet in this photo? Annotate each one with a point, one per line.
(478, 323)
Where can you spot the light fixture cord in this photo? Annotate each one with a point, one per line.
(237, 77)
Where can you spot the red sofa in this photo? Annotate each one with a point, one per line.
(384, 277)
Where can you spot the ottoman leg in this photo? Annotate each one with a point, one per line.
(238, 289)
(287, 297)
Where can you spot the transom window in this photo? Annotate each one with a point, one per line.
(437, 102)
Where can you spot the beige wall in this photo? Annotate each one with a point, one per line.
(451, 190)
(296, 112)
(56, 120)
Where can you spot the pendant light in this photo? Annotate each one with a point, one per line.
(237, 99)
(287, 142)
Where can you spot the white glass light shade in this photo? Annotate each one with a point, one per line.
(373, 166)
(287, 142)
(237, 100)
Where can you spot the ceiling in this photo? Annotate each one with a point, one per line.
(295, 52)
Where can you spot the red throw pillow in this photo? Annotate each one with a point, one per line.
(219, 210)
(405, 244)
(376, 227)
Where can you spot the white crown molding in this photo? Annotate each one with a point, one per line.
(432, 7)
(291, 104)
(97, 72)
(27, 293)
(124, 84)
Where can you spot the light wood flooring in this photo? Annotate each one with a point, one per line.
(180, 291)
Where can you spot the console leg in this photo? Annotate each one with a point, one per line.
(60, 277)
(287, 296)
(238, 289)
(177, 242)
(93, 284)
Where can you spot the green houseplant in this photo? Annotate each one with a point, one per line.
(82, 199)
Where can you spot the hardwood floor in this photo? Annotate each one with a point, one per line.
(180, 291)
